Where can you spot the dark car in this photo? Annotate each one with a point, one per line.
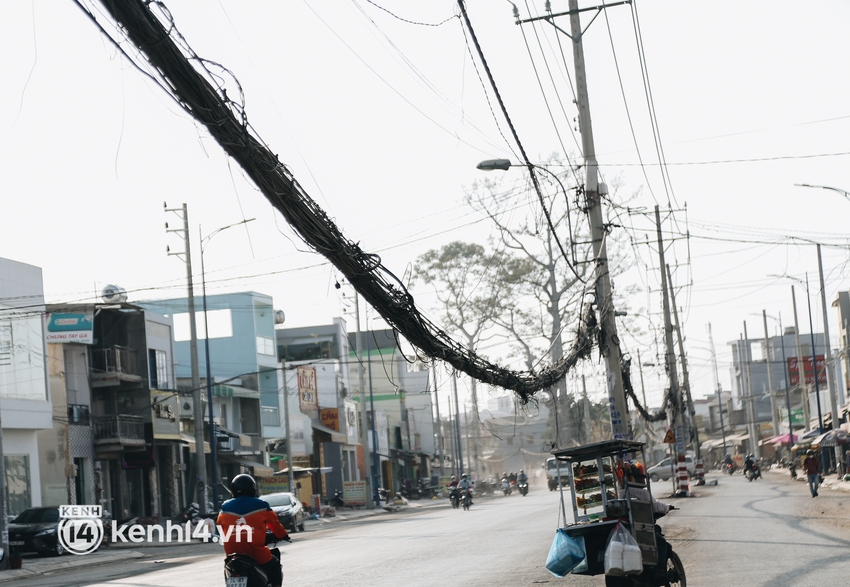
(288, 510)
(34, 530)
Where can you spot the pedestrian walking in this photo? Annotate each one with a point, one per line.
(811, 466)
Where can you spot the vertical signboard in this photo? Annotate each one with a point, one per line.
(308, 396)
(351, 423)
(808, 371)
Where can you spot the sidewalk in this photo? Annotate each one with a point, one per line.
(346, 515)
(35, 566)
(832, 482)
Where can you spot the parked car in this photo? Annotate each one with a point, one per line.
(662, 469)
(288, 509)
(35, 530)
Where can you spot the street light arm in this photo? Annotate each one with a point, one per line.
(844, 193)
(206, 239)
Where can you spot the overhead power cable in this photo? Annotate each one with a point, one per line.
(200, 92)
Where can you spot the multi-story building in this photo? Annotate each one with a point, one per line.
(118, 441)
(318, 376)
(245, 378)
(400, 390)
(25, 402)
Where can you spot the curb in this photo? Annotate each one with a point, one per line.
(45, 566)
(831, 482)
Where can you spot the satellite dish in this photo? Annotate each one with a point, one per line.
(279, 317)
(112, 294)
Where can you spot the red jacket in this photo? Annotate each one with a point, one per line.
(811, 465)
(255, 513)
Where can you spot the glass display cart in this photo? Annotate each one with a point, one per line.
(608, 486)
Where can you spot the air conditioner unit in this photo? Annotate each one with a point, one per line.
(187, 407)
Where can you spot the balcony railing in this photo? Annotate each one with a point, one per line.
(79, 414)
(113, 365)
(121, 428)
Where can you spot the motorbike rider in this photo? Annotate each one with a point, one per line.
(246, 509)
(728, 460)
(452, 488)
(749, 463)
(465, 485)
(512, 477)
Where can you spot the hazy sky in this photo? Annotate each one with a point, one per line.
(383, 121)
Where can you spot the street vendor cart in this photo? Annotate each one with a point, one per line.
(608, 485)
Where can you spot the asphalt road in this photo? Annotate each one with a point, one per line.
(766, 533)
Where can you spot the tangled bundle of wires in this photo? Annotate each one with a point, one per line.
(181, 73)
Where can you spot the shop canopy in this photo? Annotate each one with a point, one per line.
(831, 438)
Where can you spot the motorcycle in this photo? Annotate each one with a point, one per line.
(667, 572)
(411, 493)
(465, 500)
(454, 497)
(753, 473)
(506, 487)
(191, 512)
(731, 468)
(240, 570)
(337, 501)
(523, 488)
(793, 468)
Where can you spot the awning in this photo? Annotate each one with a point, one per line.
(713, 443)
(244, 439)
(737, 438)
(299, 472)
(190, 440)
(260, 470)
(335, 436)
(831, 438)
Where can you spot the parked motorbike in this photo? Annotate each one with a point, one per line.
(383, 494)
(523, 488)
(337, 501)
(240, 570)
(191, 512)
(426, 491)
(668, 571)
(410, 492)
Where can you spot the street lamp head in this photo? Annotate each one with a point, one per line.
(493, 164)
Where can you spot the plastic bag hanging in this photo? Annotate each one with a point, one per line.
(622, 555)
(565, 554)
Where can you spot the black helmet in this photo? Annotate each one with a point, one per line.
(243, 486)
(810, 453)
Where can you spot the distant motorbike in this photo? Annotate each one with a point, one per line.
(522, 486)
(731, 468)
(753, 473)
(337, 501)
(506, 487)
(793, 468)
(240, 570)
(465, 500)
(454, 497)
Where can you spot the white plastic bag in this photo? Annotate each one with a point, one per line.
(622, 555)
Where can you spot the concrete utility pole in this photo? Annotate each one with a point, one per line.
(801, 374)
(586, 431)
(830, 372)
(439, 421)
(290, 474)
(748, 397)
(4, 506)
(686, 382)
(460, 470)
(768, 356)
(719, 389)
(197, 409)
(680, 486)
(649, 442)
(364, 414)
(620, 424)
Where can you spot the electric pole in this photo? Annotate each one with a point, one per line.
(457, 426)
(197, 409)
(830, 372)
(767, 361)
(719, 389)
(748, 397)
(439, 421)
(593, 190)
(290, 475)
(681, 480)
(364, 414)
(801, 375)
(685, 379)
